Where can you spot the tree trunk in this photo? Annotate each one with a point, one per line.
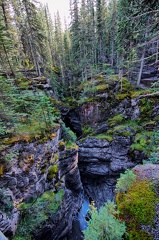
(10, 66)
(4, 13)
(141, 67)
(157, 51)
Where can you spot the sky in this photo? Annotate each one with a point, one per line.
(58, 5)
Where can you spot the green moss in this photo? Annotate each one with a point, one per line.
(137, 207)
(126, 86)
(87, 130)
(52, 172)
(121, 96)
(35, 213)
(135, 94)
(142, 140)
(145, 108)
(102, 87)
(122, 130)
(71, 145)
(139, 234)
(109, 138)
(115, 120)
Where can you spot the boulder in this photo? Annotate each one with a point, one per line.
(2, 237)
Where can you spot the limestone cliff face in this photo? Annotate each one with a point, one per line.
(28, 177)
(100, 163)
(114, 127)
(118, 123)
(62, 223)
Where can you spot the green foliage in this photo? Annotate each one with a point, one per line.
(153, 147)
(139, 202)
(87, 130)
(155, 85)
(68, 134)
(137, 207)
(109, 138)
(145, 108)
(139, 234)
(52, 172)
(6, 204)
(122, 130)
(121, 96)
(24, 114)
(125, 181)
(142, 140)
(71, 145)
(115, 120)
(104, 225)
(126, 87)
(34, 214)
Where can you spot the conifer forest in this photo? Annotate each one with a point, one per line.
(79, 121)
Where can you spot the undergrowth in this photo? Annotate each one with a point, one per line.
(36, 213)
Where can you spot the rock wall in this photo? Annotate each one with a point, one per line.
(28, 177)
(63, 221)
(92, 169)
(100, 164)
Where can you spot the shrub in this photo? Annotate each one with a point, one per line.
(68, 134)
(139, 234)
(52, 172)
(142, 141)
(154, 148)
(115, 120)
(35, 213)
(104, 225)
(137, 207)
(139, 202)
(125, 181)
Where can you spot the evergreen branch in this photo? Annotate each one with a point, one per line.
(141, 15)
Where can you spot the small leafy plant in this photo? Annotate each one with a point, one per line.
(35, 213)
(125, 181)
(104, 224)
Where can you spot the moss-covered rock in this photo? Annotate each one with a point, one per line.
(52, 172)
(142, 140)
(36, 213)
(137, 204)
(117, 119)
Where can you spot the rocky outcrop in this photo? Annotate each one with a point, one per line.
(92, 169)
(26, 177)
(69, 171)
(61, 225)
(2, 237)
(150, 172)
(72, 120)
(100, 164)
